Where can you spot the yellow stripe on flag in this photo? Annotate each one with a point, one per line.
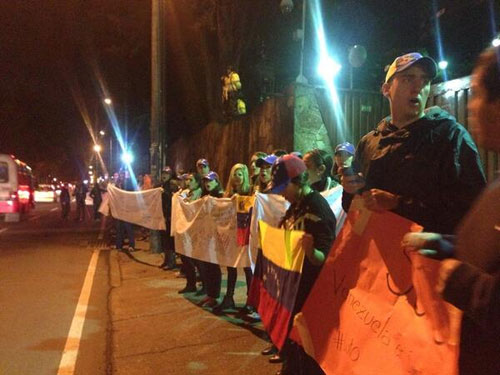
(285, 252)
(245, 203)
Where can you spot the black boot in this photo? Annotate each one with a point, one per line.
(226, 304)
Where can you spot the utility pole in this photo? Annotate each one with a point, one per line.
(157, 126)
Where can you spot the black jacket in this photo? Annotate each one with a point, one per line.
(433, 164)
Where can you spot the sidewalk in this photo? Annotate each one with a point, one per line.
(155, 330)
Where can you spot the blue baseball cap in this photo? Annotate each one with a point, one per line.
(203, 162)
(285, 168)
(269, 159)
(345, 146)
(210, 176)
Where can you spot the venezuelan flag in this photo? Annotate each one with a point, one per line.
(243, 217)
(276, 279)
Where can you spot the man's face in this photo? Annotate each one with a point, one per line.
(265, 173)
(484, 115)
(407, 92)
(343, 159)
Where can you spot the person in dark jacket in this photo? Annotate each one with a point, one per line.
(421, 165)
(80, 193)
(470, 271)
(65, 200)
(96, 195)
(167, 241)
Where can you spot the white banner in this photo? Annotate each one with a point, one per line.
(206, 229)
(138, 207)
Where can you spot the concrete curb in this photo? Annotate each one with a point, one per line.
(115, 277)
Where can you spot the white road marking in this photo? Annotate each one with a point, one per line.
(70, 352)
(34, 217)
(54, 209)
(3, 230)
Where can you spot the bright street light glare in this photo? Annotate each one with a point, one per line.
(97, 148)
(108, 101)
(328, 68)
(443, 64)
(102, 132)
(127, 158)
(495, 42)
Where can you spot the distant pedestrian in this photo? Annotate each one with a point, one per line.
(80, 195)
(96, 195)
(65, 201)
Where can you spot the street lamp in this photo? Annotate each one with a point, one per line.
(97, 148)
(108, 101)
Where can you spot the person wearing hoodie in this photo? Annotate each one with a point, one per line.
(420, 164)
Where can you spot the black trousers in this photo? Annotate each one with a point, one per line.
(232, 275)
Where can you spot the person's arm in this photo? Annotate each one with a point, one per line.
(315, 256)
(473, 291)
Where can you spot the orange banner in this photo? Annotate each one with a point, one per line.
(374, 308)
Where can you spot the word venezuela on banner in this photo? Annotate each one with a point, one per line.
(374, 308)
(276, 279)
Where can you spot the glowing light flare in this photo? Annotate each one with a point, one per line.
(97, 148)
(331, 67)
(495, 42)
(443, 64)
(127, 157)
(328, 68)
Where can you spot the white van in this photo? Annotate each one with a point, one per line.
(16, 187)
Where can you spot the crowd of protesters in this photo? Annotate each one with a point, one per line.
(418, 163)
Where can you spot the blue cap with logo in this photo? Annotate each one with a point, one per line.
(210, 176)
(345, 146)
(269, 159)
(404, 62)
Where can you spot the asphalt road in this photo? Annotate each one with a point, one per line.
(44, 262)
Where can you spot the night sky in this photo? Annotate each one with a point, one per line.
(58, 55)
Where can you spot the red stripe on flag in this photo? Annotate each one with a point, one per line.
(274, 316)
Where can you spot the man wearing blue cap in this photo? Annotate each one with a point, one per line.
(420, 164)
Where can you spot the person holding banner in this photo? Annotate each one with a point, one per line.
(193, 183)
(167, 241)
(309, 212)
(238, 183)
(420, 164)
(470, 271)
(210, 271)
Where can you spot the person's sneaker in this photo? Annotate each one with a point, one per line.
(187, 289)
(131, 249)
(180, 275)
(226, 304)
